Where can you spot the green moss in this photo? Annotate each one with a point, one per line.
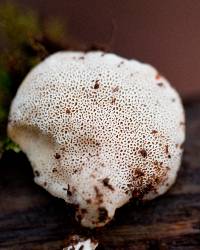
(10, 145)
(5, 81)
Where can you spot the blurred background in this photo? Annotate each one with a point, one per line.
(163, 33)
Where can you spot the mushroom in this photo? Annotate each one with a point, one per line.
(99, 130)
(75, 242)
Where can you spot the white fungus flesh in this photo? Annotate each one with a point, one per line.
(79, 243)
(99, 130)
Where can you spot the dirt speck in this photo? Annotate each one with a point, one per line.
(143, 153)
(99, 196)
(37, 173)
(113, 100)
(167, 149)
(107, 184)
(103, 214)
(96, 86)
(57, 156)
(160, 84)
(115, 89)
(68, 111)
(138, 173)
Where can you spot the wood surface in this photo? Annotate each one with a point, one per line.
(31, 219)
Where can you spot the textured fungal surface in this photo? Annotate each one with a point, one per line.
(99, 130)
(76, 242)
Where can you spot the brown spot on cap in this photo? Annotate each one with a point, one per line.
(99, 196)
(107, 184)
(68, 190)
(160, 84)
(143, 152)
(167, 149)
(96, 86)
(57, 156)
(149, 187)
(115, 89)
(154, 132)
(37, 173)
(138, 173)
(75, 171)
(67, 111)
(54, 170)
(155, 162)
(89, 201)
(113, 100)
(103, 214)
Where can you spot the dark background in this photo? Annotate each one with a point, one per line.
(165, 34)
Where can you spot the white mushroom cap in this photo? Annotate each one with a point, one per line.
(79, 243)
(99, 130)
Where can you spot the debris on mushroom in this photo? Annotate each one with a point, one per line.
(99, 130)
(76, 242)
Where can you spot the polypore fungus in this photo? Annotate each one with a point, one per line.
(99, 130)
(76, 242)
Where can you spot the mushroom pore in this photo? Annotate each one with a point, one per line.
(98, 130)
